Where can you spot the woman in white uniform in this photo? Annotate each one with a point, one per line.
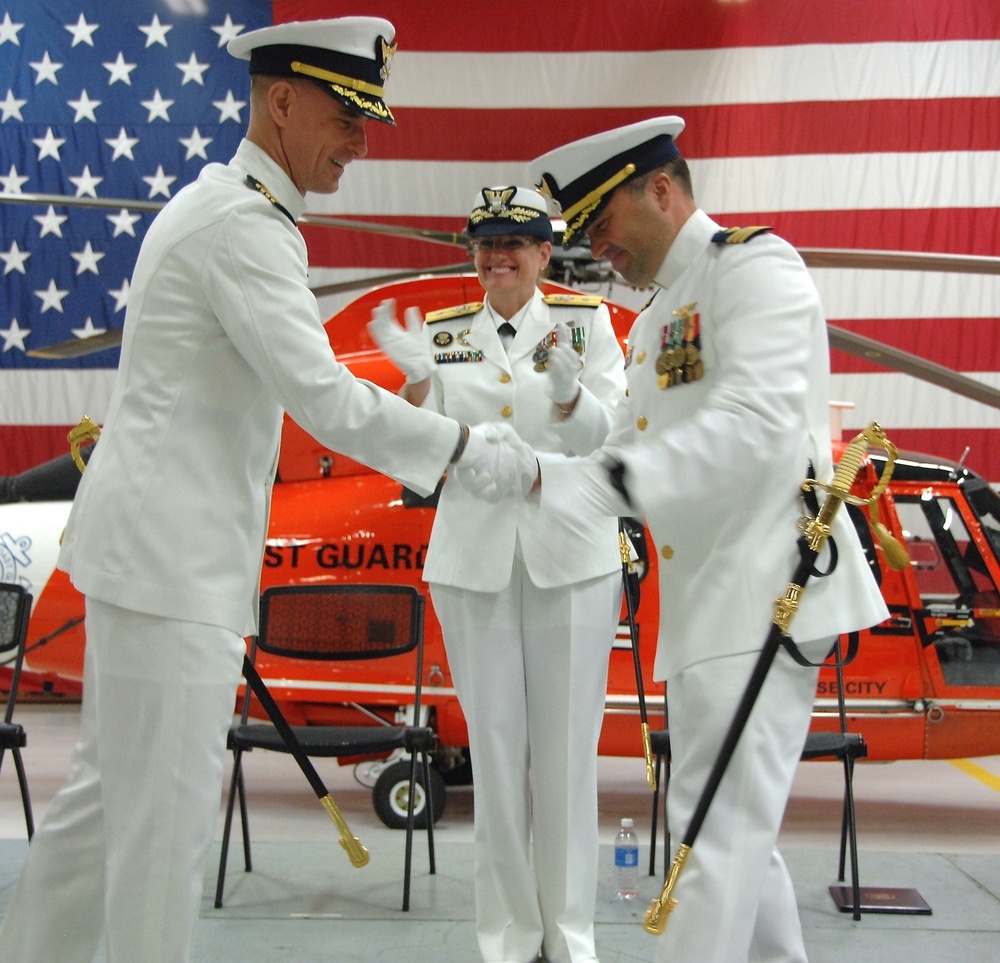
(528, 598)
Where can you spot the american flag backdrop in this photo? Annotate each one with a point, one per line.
(841, 123)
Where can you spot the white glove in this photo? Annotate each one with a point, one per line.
(562, 378)
(496, 463)
(406, 347)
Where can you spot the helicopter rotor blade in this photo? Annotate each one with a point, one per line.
(358, 284)
(814, 257)
(899, 261)
(911, 364)
(79, 347)
(577, 261)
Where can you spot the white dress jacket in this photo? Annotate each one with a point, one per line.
(715, 465)
(221, 336)
(475, 380)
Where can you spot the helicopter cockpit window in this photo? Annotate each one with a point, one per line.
(960, 598)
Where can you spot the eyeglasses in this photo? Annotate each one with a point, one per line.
(508, 244)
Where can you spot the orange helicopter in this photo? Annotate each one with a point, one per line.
(925, 684)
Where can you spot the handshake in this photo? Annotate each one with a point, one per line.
(496, 463)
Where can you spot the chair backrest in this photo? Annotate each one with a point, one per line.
(337, 621)
(15, 610)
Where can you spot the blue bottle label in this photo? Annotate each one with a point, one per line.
(626, 857)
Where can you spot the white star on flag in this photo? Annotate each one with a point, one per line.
(87, 259)
(48, 146)
(227, 30)
(119, 70)
(157, 107)
(14, 335)
(195, 145)
(121, 146)
(13, 181)
(14, 258)
(156, 32)
(51, 297)
(192, 70)
(159, 183)
(82, 31)
(45, 69)
(229, 109)
(88, 330)
(124, 222)
(121, 295)
(50, 222)
(11, 107)
(9, 31)
(86, 183)
(84, 107)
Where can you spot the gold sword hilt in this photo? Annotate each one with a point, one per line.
(655, 920)
(85, 430)
(355, 851)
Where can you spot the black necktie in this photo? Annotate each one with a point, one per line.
(507, 330)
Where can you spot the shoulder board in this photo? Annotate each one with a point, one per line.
(738, 235)
(457, 312)
(574, 300)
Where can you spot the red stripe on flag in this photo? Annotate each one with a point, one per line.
(730, 130)
(962, 344)
(530, 25)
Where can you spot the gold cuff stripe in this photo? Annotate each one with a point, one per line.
(331, 77)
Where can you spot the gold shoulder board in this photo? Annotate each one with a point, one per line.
(457, 312)
(738, 235)
(574, 300)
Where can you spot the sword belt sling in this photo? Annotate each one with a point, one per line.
(630, 585)
(815, 532)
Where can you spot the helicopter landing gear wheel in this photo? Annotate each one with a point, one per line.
(392, 791)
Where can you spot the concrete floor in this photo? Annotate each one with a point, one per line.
(929, 826)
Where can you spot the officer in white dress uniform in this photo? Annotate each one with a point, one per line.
(167, 532)
(528, 597)
(726, 409)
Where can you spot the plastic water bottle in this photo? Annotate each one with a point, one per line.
(627, 861)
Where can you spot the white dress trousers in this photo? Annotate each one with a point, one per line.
(121, 849)
(531, 674)
(735, 901)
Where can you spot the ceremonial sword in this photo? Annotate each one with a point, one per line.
(815, 532)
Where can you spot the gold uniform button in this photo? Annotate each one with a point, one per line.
(667, 551)
(504, 378)
(506, 411)
(641, 423)
(640, 357)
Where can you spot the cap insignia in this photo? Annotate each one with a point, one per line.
(498, 200)
(388, 50)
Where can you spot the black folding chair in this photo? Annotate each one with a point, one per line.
(15, 610)
(338, 623)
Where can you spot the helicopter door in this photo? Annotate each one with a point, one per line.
(960, 616)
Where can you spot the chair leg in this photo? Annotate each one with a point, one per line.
(852, 835)
(235, 787)
(407, 860)
(429, 808)
(22, 781)
(245, 823)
